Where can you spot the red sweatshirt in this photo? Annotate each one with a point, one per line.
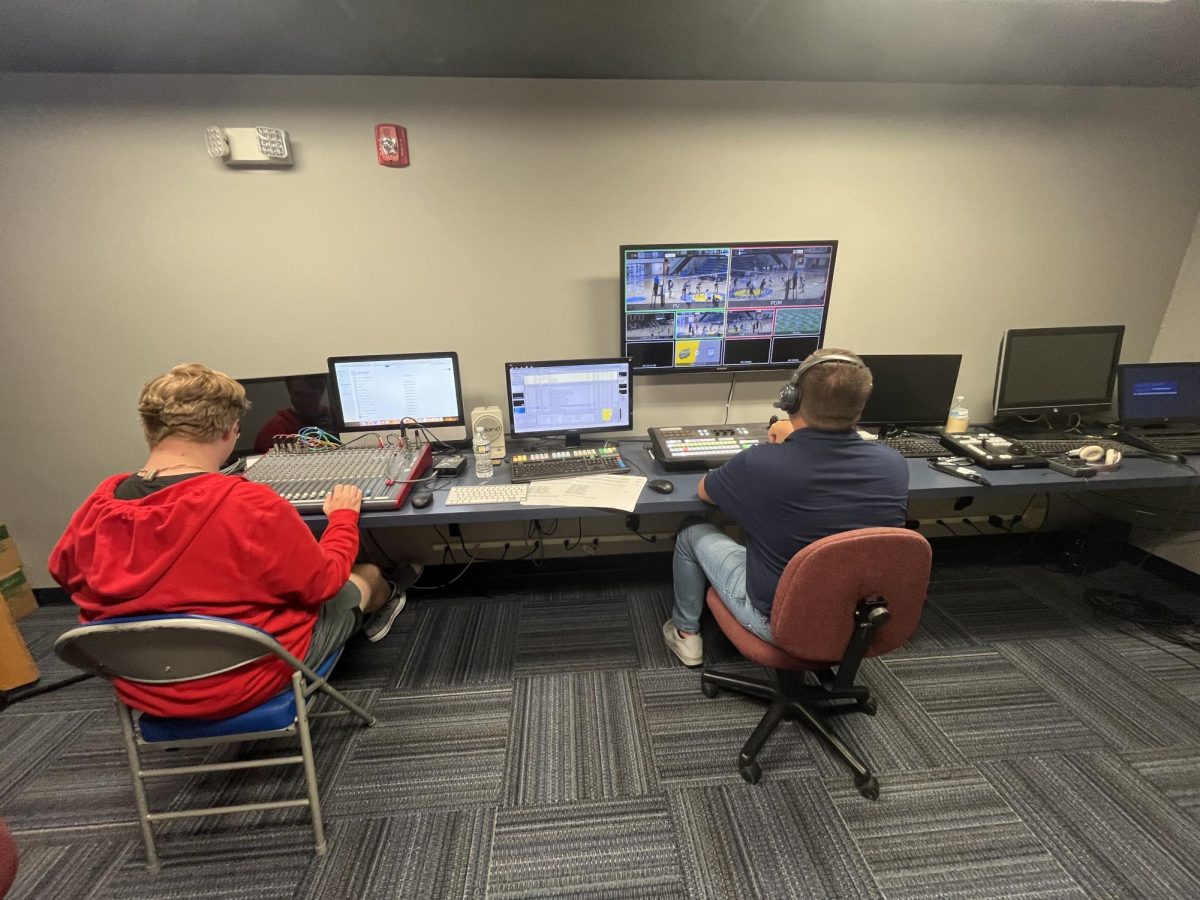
(215, 545)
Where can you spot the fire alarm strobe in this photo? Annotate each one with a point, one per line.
(391, 144)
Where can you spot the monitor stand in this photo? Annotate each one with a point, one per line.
(571, 440)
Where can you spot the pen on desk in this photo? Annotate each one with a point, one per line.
(960, 472)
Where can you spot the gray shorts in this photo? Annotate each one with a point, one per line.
(338, 619)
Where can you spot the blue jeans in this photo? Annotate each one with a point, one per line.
(705, 555)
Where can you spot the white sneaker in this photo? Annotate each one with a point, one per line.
(380, 622)
(689, 648)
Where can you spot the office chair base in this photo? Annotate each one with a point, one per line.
(791, 698)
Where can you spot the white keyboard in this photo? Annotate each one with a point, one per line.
(468, 494)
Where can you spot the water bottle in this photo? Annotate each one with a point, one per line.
(483, 454)
(957, 421)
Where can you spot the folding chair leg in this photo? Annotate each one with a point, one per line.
(345, 701)
(139, 789)
(310, 769)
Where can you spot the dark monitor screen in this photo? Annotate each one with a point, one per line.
(911, 390)
(1045, 370)
(1158, 393)
(373, 393)
(572, 397)
(282, 405)
(724, 306)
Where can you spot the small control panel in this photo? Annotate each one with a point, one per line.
(683, 447)
(993, 451)
(568, 464)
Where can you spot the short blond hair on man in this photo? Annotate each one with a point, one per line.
(833, 394)
(190, 401)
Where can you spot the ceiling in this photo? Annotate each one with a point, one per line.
(1071, 42)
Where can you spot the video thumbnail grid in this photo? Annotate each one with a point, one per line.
(724, 306)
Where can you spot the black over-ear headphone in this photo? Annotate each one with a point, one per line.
(789, 394)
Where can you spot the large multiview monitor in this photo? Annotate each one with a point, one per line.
(724, 306)
(569, 397)
(399, 390)
(910, 390)
(281, 405)
(1042, 371)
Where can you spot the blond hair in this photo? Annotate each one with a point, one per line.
(190, 401)
(833, 394)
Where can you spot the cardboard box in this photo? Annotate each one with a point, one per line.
(9, 558)
(16, 664)
(18, 594)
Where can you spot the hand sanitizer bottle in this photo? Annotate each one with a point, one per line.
(957, 421)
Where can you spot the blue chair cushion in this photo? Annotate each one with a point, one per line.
(277, 713)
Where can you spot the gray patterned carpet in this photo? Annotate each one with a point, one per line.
(539, 741)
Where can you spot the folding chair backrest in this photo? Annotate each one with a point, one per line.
(165, 649)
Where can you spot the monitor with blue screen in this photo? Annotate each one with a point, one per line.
(724, 306)
(569, 397)
(1159, 393)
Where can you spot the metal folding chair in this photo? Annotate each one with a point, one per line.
(168, 649)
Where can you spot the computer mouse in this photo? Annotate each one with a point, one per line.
(420, 499)
(661, 485)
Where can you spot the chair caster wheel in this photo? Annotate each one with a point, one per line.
(708, 689)
(868, 787)
(867, 706)
(751, 772)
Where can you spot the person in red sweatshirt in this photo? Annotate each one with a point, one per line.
(179, 537)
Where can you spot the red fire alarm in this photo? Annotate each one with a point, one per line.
(391, 144)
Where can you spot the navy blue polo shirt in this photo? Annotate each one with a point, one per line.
(813, 484)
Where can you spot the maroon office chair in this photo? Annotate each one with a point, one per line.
(8, 859)
(840, 599)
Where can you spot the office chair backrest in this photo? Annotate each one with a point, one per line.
(8, 859)
(812, 617)
(165, 649)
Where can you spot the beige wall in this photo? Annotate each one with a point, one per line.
(1179, 337)
(961, 211)
(1178, 341)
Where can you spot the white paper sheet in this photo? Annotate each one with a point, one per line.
(600, 491)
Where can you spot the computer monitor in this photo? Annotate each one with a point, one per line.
(282, 405)
(911, 390)
(569, 397)
(398, 391)
(1159, 393)
(1057, 370)
(724, 306)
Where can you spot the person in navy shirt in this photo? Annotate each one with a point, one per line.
(815, 477)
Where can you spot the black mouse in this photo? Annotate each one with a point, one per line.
(420, 499)
(661, 485)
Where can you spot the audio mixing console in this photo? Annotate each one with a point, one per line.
(304, 477)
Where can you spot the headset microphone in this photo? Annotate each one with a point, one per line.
(789, 394)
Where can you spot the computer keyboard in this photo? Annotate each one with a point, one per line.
(1056, 446)
(915, 446)
(1174, 443)
(471, 494)
(568, 464)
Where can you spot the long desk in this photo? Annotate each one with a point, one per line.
(925, 483)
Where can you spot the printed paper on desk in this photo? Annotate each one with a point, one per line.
(600, 491)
